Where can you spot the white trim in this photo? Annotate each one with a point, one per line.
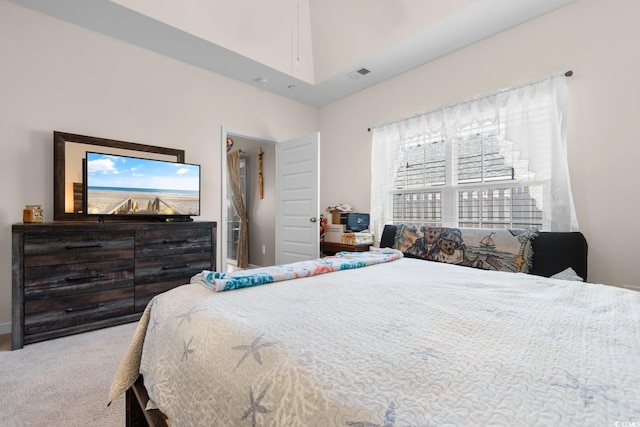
(222, 243)
(5, 328)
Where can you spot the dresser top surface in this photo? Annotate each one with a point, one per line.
(107, 226)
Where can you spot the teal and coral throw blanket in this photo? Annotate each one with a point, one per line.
(259, 276)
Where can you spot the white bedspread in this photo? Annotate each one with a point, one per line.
(406, 343)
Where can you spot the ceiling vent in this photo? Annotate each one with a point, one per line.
(358, 74)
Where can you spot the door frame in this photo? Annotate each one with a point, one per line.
(224, 134)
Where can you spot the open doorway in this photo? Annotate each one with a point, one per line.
(256, 155)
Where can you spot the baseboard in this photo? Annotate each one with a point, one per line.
(633, 287)
(5, 328)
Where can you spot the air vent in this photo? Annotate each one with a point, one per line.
(358, 74)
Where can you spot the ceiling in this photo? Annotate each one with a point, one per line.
(306, 50)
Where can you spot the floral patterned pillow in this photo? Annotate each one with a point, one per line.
(488, 249)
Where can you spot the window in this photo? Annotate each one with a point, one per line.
(498, 161)
(489, 191)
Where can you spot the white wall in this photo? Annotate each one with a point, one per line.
(600, 41)
(57, 76)
(265, 34)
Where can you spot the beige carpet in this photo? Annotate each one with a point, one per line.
(64, 382)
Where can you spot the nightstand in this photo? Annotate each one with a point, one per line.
(330, 248)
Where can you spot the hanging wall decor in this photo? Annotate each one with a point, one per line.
(229, 144)
(260, 189)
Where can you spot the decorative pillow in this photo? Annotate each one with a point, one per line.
(489, 249)
(568, 274)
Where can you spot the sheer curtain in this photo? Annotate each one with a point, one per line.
(532, 136)
(234, 190)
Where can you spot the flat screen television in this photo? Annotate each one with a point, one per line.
(124, 187)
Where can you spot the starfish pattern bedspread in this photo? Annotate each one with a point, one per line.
(404, 343)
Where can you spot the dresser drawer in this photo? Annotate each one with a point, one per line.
(41, 315)
(156, 275)
(79, 247)
(72, 277)
(160, 243)
(49, 281)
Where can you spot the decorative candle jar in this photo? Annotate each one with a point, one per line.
(32, 213)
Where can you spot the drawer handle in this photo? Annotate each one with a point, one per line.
(77, 279)
(83, 307)
(97, 245)
(176, 241)
(172, 267)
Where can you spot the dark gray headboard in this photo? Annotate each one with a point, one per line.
(553, 252)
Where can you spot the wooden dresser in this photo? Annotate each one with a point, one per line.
(71, 277)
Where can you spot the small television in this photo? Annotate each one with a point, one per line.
(124, 187)
(355, 221)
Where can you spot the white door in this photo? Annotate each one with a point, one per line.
(297, 194)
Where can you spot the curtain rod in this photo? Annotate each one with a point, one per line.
(567, 74)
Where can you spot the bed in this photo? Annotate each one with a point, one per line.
(400, 342)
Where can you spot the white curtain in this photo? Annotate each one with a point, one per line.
(532, 119)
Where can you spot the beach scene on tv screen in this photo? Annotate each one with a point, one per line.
(119, 185)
